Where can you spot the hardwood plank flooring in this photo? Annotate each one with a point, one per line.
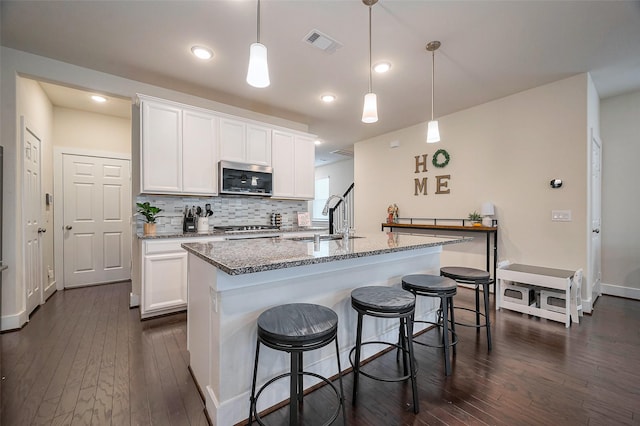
(85, 358)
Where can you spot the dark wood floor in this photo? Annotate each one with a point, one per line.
(85, 358)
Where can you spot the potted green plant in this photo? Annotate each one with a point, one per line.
(150, 214)
(475, 218)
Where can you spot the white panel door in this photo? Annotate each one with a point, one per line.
(595, 260)
(31, 220)
(97, 233)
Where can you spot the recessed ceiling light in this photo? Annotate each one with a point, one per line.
(98, 98)
(318, 142)
(328, 98)
(382, 67)
(202, 52)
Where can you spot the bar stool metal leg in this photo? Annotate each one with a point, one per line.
(485, 290)
(356, 366)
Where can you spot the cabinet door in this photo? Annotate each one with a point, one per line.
(161, 148)
(283, 163)
(199, 153)
(305, 157)
(232, 140)
(165, 282)
(258, 146)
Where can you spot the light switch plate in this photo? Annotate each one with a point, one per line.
(561, 215)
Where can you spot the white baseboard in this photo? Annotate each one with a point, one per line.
(14, 322)
(620, 291)
(134, 300)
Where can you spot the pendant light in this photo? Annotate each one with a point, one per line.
(433, 133)
(258, 73)
(370, 109)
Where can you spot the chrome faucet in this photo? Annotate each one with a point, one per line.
(345, 222)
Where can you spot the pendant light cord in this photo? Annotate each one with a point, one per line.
(370, 77)
(258, 21)
(433, 76)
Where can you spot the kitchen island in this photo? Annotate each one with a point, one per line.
(231, 282)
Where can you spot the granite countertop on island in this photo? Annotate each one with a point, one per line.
(236, 257)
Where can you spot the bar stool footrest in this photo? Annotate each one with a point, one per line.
(454, 339)
(465, 324)
(383, 379)
(254, 403)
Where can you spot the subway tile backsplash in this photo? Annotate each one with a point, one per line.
(227, 210)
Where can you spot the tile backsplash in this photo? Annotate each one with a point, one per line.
(227, 210)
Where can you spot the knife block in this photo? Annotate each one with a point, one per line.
(189, 224)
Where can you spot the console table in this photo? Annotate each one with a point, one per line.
(454, 225)
(557, 279)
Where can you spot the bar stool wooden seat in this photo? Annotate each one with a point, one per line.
(296, 328)
(443, 288)
(386, 302)
(477, 278)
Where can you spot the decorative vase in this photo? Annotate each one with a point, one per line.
(149, 228)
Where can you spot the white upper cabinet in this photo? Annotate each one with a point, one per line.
(161, 148)
(293, 158)
(244, 142)
(179, 150)
(199, 153)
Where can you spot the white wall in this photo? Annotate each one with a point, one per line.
(340, 175)
(620, 130)
(506, 152)
(91, 131)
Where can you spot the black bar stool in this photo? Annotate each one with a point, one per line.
(386, 302)
(296, 328)
(476, 277)
(443, 288)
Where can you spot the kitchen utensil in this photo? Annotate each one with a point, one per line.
(208, 210)
(198, 211)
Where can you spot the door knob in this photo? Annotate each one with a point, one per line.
(41, 230)
(597, 231)
(68, 227)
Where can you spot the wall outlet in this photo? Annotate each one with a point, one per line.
(561, 215)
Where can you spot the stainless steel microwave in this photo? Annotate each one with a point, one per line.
(245, 179)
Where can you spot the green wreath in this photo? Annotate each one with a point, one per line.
(435, 162)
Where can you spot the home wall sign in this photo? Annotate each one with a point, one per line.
(439, 160)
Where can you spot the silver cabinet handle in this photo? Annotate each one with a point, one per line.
(41, 230)
(68, 227)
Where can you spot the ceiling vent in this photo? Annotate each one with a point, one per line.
(344, 152)
(322, 41)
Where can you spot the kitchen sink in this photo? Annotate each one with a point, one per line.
(326, 237)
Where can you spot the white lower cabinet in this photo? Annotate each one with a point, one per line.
(164, 276)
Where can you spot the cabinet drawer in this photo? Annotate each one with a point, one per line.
(162, 246)
(173, 244)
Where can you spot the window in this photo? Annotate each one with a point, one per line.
(321, 196)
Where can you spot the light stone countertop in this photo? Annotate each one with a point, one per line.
(218, 233)
(236, 257)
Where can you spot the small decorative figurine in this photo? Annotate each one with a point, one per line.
(392, 213)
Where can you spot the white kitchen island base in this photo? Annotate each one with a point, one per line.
(223, 309)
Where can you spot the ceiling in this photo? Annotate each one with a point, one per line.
(490, 49)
